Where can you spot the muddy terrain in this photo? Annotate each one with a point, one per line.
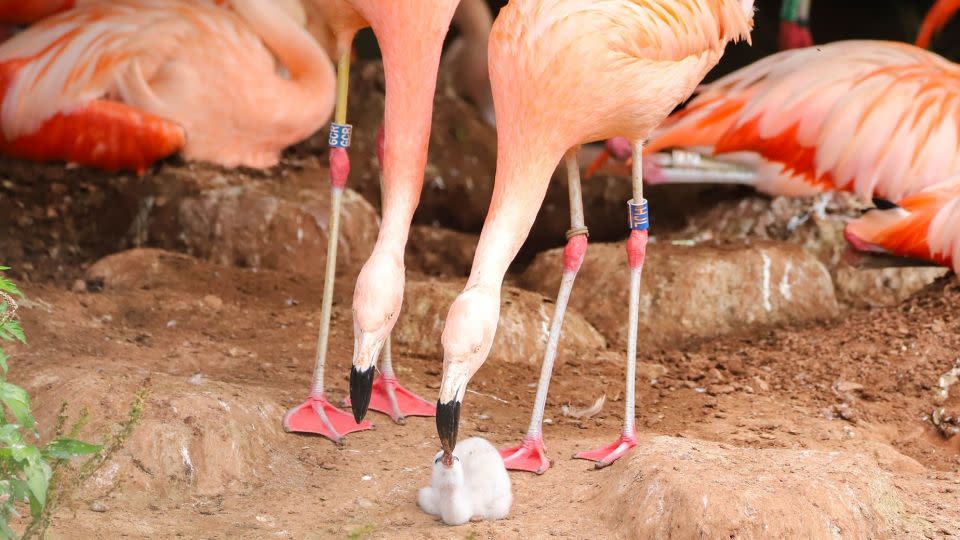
(781, 392)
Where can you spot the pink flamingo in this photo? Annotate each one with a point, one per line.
(925, 225)
(564, 72)
(793, 34)
(859, 116)
(410, 34)
(120, 84)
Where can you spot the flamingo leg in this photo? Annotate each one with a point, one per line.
(530, 455)
(636, 252)
(316, 414)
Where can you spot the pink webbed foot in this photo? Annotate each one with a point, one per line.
(388, 397)
(607, 455)
(530, 456)
(316, 415)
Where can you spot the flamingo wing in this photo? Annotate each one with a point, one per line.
(831, 115)
(61, 81)
(925, 225)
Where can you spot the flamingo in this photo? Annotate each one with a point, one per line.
(410, 34)
(565, 72)
(792, 36)
(860, 116)
(925, 225)
(120, 84)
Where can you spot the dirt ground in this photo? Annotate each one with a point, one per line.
(820, 428)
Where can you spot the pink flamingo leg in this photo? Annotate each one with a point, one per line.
(531, 456)
(636, 252)
(316, 414)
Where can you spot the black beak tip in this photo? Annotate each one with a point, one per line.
(361, 386)
(448, 423)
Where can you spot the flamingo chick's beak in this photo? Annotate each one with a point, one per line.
(365, 352)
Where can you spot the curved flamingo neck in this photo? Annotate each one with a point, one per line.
(410, 34)
(307, 62)
(938, 16)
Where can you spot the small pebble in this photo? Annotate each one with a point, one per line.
(213, 302)
(98, 506)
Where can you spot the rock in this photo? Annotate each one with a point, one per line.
(435, 251)
(97, 506)
(213, 302)
(201, 440)
(522, 333)
(817, 224)
(252, 227)
(138, 268)
(680, 488)
(693, 292)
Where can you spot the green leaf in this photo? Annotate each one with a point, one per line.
(69, 449)
(11, 330)
(10, 435)
(18, 402)
(6, 285)
(6, 531)
(38, 478)
(26, 453)
(3, 363)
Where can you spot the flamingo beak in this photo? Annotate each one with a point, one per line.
(448, 423)
(361, 387)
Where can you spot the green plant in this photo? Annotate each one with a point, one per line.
(25, 468)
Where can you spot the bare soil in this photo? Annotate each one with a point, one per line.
(798, 429)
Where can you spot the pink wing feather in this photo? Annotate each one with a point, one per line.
(860, 116)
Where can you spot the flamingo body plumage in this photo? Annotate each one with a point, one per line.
(925, 225)
(879, 119)
(120, 84)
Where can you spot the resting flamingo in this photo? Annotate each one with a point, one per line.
(120, 84)
(410, 34)
(860, 116)
(619, 148)
(925, 225)
(565, 72)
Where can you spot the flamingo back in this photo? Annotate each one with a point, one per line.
(632, 62)
(875, 118)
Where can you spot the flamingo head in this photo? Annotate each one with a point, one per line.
(467, 338)
(376, 303)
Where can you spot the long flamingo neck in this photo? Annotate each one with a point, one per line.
(304, 58)
(411, 59)
(523, 175)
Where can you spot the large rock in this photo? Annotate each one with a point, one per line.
(250, 227)
(690, 292)
(522, 333)
(281, 225)
(680, 488)
(817, 224)
(196, 436)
